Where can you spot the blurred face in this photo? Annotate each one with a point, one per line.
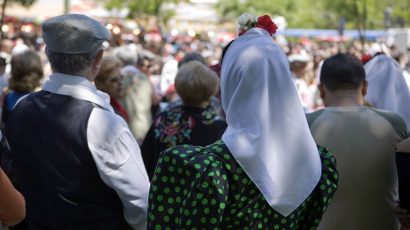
(112, 85)
(145, 67)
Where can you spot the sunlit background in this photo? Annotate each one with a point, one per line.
(216, 18)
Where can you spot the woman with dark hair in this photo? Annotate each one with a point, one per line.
(26, 74)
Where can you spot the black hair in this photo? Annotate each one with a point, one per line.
(70, 63)
(192, 56)
(224, 51)
(342, 72)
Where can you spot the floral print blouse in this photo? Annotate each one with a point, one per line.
(180, 125)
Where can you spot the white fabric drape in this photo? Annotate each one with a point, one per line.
(267, 130)
(387, 87)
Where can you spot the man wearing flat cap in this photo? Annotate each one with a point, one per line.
(77, 162)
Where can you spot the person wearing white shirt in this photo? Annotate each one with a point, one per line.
(78, 163)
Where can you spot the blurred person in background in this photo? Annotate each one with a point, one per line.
(387, 86)
(167, 79)
(299, 69)
(192, 56)
(404, 63)
(138, 96)
(144, 65)
(26, 74)
(3, 79)
(192, 122)
(109, 80)
(171, 97)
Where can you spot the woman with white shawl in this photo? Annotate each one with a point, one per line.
(266, 172)
(387, 88)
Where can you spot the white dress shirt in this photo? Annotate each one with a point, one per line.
(113, 147)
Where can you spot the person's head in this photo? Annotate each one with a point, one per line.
(298, 64)
(196, 83)
(387, 86)
(192, 56)
(109, 78)
(343, 73)
(144, 65)
(127, 55)
(6, 45)
(263, 112)
(26, 72)
(75, 44)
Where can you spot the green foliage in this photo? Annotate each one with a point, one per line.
(25, 3)
(322, 13)
(5, 3)
(139, 8)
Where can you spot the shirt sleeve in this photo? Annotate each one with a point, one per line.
(119, 162)
(12, 205)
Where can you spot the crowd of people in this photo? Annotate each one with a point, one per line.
(188, 134)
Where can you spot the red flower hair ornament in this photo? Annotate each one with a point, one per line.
(247, 21)
(365, 58)
(266, 23)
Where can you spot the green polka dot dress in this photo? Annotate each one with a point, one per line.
(205, 188)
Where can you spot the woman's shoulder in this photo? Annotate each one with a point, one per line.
(327, 157)
(190, 152)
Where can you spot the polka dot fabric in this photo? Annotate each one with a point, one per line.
(205, 188)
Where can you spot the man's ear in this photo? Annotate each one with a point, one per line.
(97, 61)
(322, 91)
(364, 88)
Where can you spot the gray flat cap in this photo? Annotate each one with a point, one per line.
(74, 34)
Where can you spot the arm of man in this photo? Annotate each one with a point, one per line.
(119, 162)
(12, 205)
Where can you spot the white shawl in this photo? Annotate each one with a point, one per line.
(387, 87)
(267, 130)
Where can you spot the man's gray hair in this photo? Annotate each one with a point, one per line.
(127, 55)
(72, 64)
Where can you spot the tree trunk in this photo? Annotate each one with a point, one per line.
(3, 14)
(359, 22)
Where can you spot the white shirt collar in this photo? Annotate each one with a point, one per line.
(77, 87)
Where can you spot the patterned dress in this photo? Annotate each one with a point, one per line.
(205, 188)
(180, 125)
